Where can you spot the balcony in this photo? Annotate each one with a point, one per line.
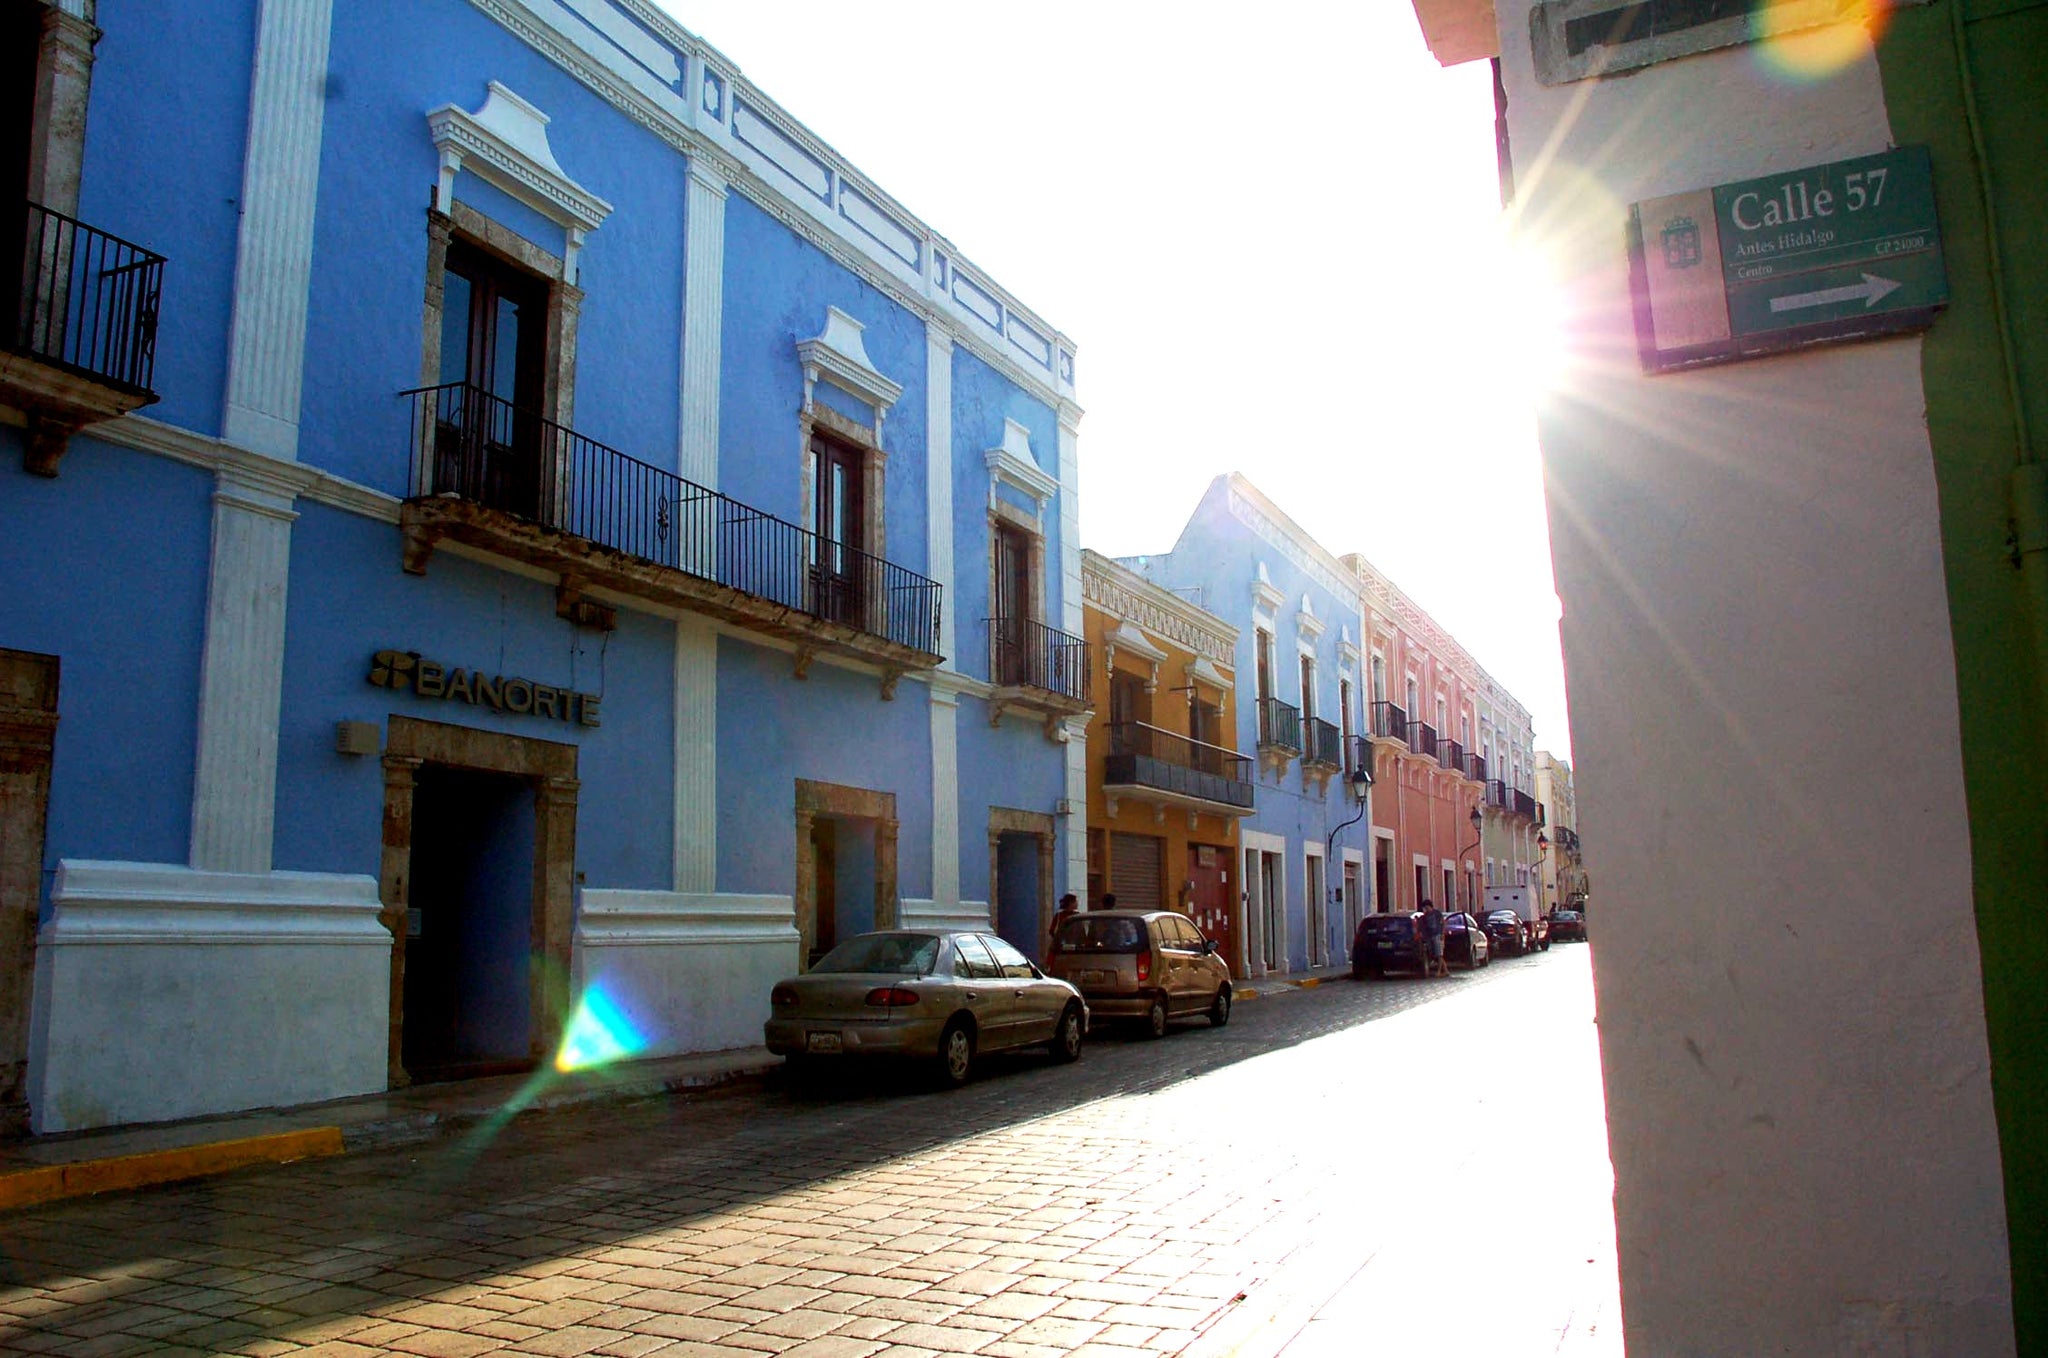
(1324, 745)
(1450, 754)
(515, 485)
(1525, 806)
(1475, 767)
(1175, 770)
(77, 329)
(1361, 753)
(1422, 739)
(1037, 669)
(1567, 839)
(1389, 722)
(1279, 726)
(1497, 794)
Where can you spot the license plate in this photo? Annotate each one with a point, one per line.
(1097, 977)
(822, 1042)
(1388, 946)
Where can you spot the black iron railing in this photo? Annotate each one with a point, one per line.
(1142, 755)
(1422, 738)
(1279, 725)
(1029, 654)
(1324, 743)
(1497, 793)
(1389, 721)
(1451, 755)
(1361, 753)
(1567, 839)
(1523, 804)
(474, 446)
(1475, 767)
(83, 300)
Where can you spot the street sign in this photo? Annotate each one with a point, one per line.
(1841, 251)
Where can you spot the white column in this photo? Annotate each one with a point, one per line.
(938, 478)
(274, 249)
(234, 792)
(703, 312)
(1070, 621)
(696, 757)
(945, 707)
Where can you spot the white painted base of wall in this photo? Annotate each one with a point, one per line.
(945, 915)
(164, 992)
(690, 972)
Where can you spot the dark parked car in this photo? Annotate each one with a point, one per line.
(1568, 923)
(1386, 942)
(1465, 941)
(1506, 932)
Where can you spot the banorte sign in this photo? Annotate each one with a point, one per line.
(399, 670)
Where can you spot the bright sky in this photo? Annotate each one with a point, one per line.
(1274, 234)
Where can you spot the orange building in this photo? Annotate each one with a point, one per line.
(1166, 787)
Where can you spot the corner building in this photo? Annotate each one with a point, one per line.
(500, 519)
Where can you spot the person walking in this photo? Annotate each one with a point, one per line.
(1433, 963)
(1070, 906)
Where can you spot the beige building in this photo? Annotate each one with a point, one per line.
(1562, 867)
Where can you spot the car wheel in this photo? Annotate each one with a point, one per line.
(1155, 1017)
(1471, 959)
(1219, 1010)
(1066, 1036)
(956, 1054)
(1545, 945)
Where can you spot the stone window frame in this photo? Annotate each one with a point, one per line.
(565, 300)
(814, 799)
(63, 94)
(866, 440)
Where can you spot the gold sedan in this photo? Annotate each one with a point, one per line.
(941, 996)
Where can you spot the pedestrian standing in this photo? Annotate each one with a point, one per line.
(1433, 941)
(1070, 905)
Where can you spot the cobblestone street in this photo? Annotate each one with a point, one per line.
(1397, 1167)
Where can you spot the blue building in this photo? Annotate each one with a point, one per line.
(505, 530)
(1304, 885)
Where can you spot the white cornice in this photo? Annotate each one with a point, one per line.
(97, 902)
(505, 143)
(1127, 636)
(278, 476)
(840, 356)
(1205, 671)
(1306, 622)
(1266, 596)
(1014, 463)
(1116, 590)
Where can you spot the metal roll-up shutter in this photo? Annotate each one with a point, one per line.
(1135, 863)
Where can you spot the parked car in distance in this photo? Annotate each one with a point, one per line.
(1566, 922)
(1465, 941)
(1150, 965)
(940, 996)
(1505, 931)
(1386, 942)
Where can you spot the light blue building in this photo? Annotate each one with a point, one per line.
(1303, 884)
(582, 548)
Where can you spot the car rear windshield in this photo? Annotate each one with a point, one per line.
(1082, 934)
(895, 954)
(1390, 924)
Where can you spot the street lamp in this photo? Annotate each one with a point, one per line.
(1542, 852)
(1478, 837)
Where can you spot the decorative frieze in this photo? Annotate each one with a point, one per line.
(1125, 595)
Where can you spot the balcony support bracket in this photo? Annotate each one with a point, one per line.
(572, 606)
(889, 681)
(416, 546)
(47, 441)
(800, 663)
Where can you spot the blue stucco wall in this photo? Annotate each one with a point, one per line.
(370, 245)
(777, 286)
(106, 569)
(1012, 766)
(350, 599)
(982, 399)
(164, 145)
(832, 727)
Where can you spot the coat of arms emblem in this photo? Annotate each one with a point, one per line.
(1681, 243)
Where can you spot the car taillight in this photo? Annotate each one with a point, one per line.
(1144, 967)
(892, 997)
(782, 996)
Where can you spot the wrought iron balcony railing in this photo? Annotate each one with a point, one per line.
(1475, 767)
(1389, 721)
(1451, 755)
(473, 446)
(1280, 725)
(1324, 745)
(1361, 754)
(1142, 755)
(82, 300)
(1497, 793)
(1029, 654)
(1524, 804)
(1422, 738)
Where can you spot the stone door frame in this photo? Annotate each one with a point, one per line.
(853, 803)
(28, 744)
(1003, 820)
(550, 768)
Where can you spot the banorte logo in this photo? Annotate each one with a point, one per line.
(393, 669)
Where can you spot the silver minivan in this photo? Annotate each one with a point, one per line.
(1150, 965)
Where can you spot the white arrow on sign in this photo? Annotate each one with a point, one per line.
(1867, 292)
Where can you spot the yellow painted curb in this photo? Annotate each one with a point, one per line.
(47, 1183)
(1309, 982)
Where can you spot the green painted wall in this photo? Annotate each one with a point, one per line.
(1999, 640)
